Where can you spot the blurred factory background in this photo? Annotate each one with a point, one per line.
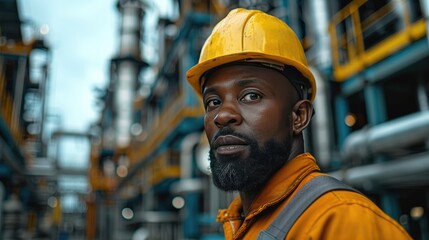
(139, 170)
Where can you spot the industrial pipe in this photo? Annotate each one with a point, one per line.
(187, 183)
(317, 20)
(384, 137)
(128, 68)
(321, 134)
(395, 172)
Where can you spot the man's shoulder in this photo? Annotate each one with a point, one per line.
(344, 199)
(345, 212)
(340, 197)
(350, 205)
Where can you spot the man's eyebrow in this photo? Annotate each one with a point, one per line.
(245, 82)
(207, 90)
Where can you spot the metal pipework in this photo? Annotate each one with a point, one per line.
(384, 137)
(128, 67)
(124, 98)
(132, 14)
(412, 168)
(187, 183)
(319, 57)
(320, 123)
(317, 20)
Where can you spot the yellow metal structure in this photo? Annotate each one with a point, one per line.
(161, 169)
(170, 118)
(350, 55)
(251, 34)
(18, 48)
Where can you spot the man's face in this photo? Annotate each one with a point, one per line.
(248, 123)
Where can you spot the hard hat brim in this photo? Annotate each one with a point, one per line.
(194, 74)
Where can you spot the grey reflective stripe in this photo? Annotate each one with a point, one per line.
(311, 191)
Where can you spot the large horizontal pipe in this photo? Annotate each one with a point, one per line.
(394, 172)
(387, 136)
(185, 186)
(156, 217)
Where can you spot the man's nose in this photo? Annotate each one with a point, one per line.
(227, 114)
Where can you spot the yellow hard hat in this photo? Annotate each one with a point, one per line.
(250, 35)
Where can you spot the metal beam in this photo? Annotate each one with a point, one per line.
(12, 160)
(61, 133)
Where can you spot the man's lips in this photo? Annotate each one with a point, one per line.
(229, 144)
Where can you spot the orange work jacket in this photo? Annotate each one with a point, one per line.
(335, 215)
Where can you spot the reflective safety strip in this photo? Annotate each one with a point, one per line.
(299, 203)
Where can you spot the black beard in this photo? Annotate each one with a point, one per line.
(232, 174)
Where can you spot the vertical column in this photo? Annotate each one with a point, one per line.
(376, 110)
(18, 97)
(375, 105)
(342, 111)
(2, 196)
(317, 25)
(425, 10)
(128, 64)
(422, 94)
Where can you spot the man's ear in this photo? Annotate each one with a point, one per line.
(301, 115)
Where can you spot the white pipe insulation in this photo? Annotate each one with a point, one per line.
(388, 136)
(187, 183)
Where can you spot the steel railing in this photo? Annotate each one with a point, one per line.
(362, 35)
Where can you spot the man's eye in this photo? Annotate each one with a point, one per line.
(213, 103)
(250, 97)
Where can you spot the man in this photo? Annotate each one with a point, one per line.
(258, 91)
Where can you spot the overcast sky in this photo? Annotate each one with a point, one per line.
(83, 37)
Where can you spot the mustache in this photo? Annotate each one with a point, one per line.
(229, 131)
